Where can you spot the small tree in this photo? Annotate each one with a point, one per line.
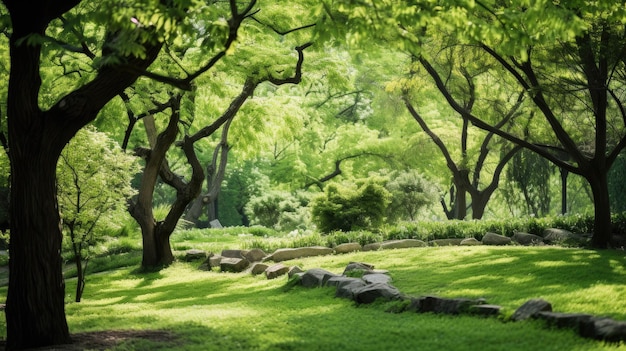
(94, 177)
(410, 192)
(347, 207)
(281, 210)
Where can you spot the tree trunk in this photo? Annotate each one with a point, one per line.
(601, 238)
(35, 309)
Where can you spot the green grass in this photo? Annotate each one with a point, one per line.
(224, 311)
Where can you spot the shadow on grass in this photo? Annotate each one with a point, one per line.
(220, 311)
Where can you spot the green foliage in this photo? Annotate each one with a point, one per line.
(93, 179)
(281, 210)
(410, 192)
(349, 207)
(531, 175)
(617, 184)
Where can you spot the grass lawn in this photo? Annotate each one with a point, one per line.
(225, 311)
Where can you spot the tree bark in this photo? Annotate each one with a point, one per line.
(602, 234)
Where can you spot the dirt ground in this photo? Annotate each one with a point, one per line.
(105, 340)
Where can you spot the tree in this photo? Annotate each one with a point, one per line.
(410, 192)
(569, 62)
(351, 206)
(531, 173)
(36, 137)
(93, 178)
(465, 178)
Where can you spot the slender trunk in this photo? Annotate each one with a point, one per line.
(80, 277)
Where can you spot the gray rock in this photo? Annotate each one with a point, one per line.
(485, 310)
(340, 279)
(470, 242)
(233, 253)
(206, 265)
(233, 265)
(276, 271)
(315, 277)
(215, 224)
(348, 247)
(564, 320)
(446, 242)
(531, 308)
(290, 254)
(605, 329)
(371, 247)
(527, 239)
(402, 244)
(358, 267)
(441, 305)
(255, 255)
(372, 292)
(258, 268)
(557, 236)
(377, 278)
(194, 254)
(346, 288)
(215, 260)
(294, 270)
(495, 239)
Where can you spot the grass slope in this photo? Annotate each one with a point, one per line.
(223, 311)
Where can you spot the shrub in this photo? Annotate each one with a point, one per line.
(351, 206)
(280, 210)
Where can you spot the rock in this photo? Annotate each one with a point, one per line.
(605, 329)
(212, 261)
(258, 268)
(255, 255)
(372, 292)
(564, 320)
(234, 253)
(194, 254)
(294, 270)
(495, 239)
(346, 289)
(233, 265)
(445, 242)
(377, 278)
(531, 308)
(401, 244)
(348, 247)
(485, 310)
(215, 223)
(559, 236)
(340, 279)
(290, 254)
(371, 247)
(359, 267)
(441, 305)
(315, 277)
(470, 242)
(276, 271)
(215, 260)
(527, 239)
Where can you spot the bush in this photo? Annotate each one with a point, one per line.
(280, 210)
(351, 206)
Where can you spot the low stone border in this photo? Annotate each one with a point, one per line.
(376, 285)
(372, 285)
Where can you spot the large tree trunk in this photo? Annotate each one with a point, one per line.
(602, 208)
(35, 309)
